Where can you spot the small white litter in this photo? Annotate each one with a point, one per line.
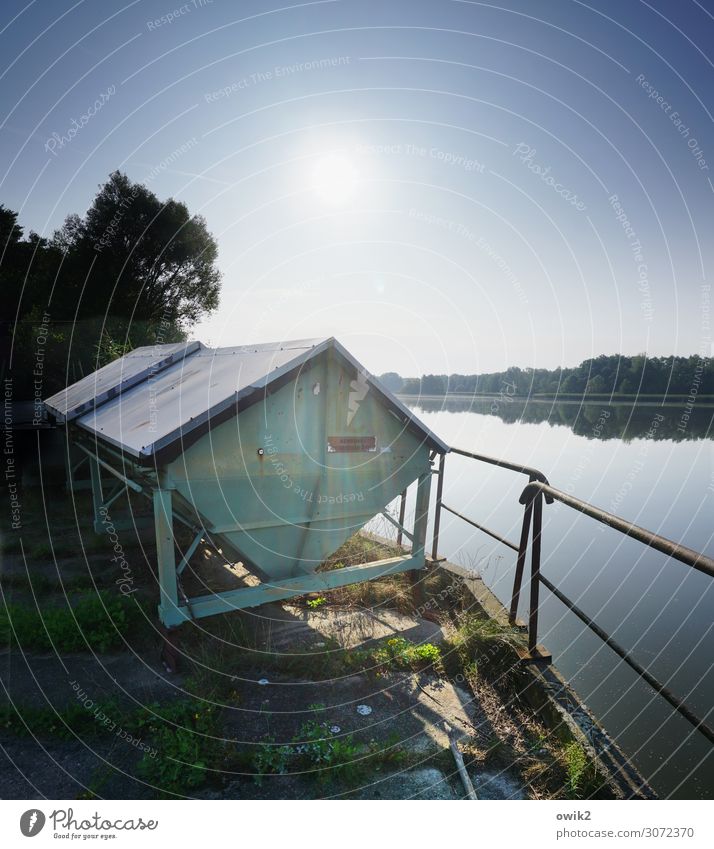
(263, 682)
(364, 710)
(335, 729)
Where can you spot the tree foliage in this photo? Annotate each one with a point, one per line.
(132, 271)
(603, 375)
(153, 260)
(392, 381)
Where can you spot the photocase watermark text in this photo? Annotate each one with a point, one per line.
(58, 141)
(526, 154)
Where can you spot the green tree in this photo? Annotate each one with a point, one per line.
(392, 381)
(596, 385)
(433, 384)
(141, 259)
(411, 386)
(133, 271)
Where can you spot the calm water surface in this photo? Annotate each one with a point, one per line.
(634, 461)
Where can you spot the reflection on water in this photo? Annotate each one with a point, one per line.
(592, 420)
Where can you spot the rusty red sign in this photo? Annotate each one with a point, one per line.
(351, 444)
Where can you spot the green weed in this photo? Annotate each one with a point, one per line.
(313, 749)
(396, 653)
(183, 738)
(96, 622)
(63, 723)
(576, 766)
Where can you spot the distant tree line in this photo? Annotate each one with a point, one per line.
(603, 375)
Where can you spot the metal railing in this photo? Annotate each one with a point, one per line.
(536, 491)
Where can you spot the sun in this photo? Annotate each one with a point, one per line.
(335, 179)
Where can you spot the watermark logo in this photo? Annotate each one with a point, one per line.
(32, 822)
(526, 154)
(58, 141)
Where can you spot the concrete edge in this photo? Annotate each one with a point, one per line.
(559, 705)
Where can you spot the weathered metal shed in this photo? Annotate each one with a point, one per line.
(279, 452)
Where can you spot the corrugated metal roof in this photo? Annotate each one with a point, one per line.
(116, 377)
(159, 409)
(167, 406)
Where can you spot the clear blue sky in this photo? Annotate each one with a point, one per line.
(431, 182)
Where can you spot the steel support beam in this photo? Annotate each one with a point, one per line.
(209, 605)
(402, 511)
(421, 517)
(189, 553)
(95, 474)
(117, 474)
(437, 508)
(403, 532)
(166, 557)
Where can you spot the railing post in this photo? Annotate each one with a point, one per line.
(535, 574)
(520, 562)
(437, 509)
(402, 511)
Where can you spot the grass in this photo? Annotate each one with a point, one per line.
(64, 723)
(393, 591)
(187, 751)
(332, 661)
(97, 622)
(359, 548)
(313, 749)
(479, 646)
(10, 543)
(316, 750)
(475, 630)
(582, 777)
(41, 584)
(184, 738)
(398, 653)
(181, 736)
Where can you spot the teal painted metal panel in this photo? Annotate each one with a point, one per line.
(289, 479)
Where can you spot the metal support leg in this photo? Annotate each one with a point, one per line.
(437, 508)
(402, 510)
(165, 554)
(97, 495)
(421, 515)
(69, 473)
(421, 519)
(170, 652)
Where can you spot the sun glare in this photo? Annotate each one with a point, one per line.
(335, 179)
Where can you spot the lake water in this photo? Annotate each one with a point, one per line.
(650, 466)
